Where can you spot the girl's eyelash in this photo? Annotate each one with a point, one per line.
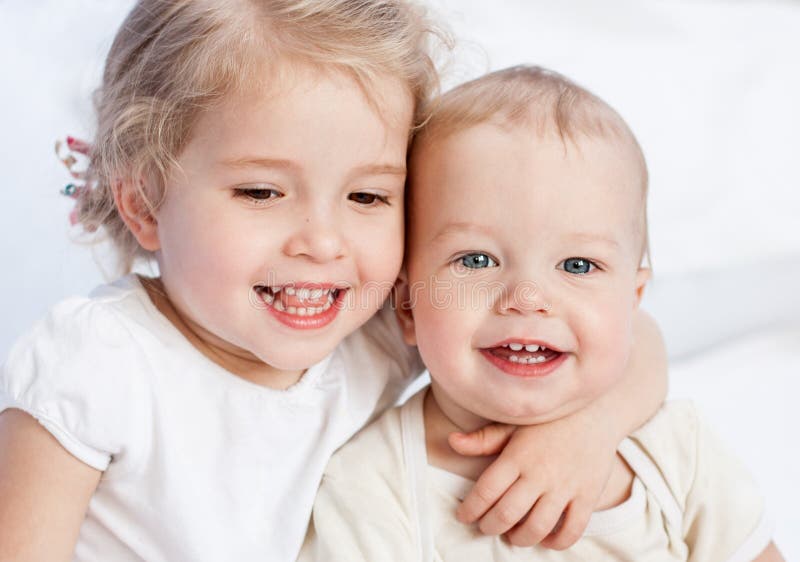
(257, 195)
(371, 202)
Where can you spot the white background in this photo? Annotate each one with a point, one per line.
(709, 87)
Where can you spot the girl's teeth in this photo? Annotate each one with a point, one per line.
(289, 290)
(278, 305)
(317, 293)
(268, 298)
(527, 360)
(531, 347)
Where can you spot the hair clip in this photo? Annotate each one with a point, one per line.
(67, 157)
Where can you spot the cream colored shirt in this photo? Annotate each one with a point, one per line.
(690, 500)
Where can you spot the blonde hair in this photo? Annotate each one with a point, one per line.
(535, 98)
(172, 60)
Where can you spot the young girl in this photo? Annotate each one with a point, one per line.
(255, 151)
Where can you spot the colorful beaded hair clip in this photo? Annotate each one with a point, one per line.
(67, 152)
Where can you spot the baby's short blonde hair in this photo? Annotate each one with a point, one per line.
(536, 99)
(172, 60)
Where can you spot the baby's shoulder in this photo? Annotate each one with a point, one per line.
(670, 440)
(375, 452)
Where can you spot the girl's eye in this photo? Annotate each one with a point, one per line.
(477, 260)
(258, 195)
(577, 266)
(367, 199)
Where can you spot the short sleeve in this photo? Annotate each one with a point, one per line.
(725, 517)
(76, 373)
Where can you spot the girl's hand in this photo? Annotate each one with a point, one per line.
(543, 471)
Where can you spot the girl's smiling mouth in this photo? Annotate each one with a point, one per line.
(304, 306)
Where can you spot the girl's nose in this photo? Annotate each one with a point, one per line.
(317, 240)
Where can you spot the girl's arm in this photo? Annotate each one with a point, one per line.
(563, 466)
(45, 492)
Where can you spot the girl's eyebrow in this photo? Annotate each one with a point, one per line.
(260, 162)
(284, 164)
(377, 169)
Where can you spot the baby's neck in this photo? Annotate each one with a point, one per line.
(438, 426)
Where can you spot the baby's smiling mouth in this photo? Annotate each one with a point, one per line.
(523, 353)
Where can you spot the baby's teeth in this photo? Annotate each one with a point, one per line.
(514, 359)
(267, 297)
(278, 305)
(515, 347)
(303, 294)
(292, 310)
(301, 311)
(326, 306)
(316, 293)
(289, 290)
(532, 348)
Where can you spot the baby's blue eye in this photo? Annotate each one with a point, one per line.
(577, 266)
(477, 260)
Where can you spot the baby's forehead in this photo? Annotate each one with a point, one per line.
(506, 182)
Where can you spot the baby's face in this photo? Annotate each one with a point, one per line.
(524, 270)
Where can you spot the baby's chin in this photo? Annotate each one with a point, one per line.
(526, 413)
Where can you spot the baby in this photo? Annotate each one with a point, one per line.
(526, 243)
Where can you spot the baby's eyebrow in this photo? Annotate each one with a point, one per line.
(457, 227)
(594, 237)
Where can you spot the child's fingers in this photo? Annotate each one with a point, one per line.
(492, 484)
(488, 440)
(511, 508)
(542, 520)
(572, 527)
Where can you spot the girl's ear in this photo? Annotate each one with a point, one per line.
(643, 275)
(403, 308)
(136, 214)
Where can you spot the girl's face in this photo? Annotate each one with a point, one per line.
(282, 231)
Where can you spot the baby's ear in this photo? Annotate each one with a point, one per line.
(133, 208)
(643, 275)
(403, 308)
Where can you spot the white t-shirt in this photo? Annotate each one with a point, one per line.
(198, 463)
(691, 500)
